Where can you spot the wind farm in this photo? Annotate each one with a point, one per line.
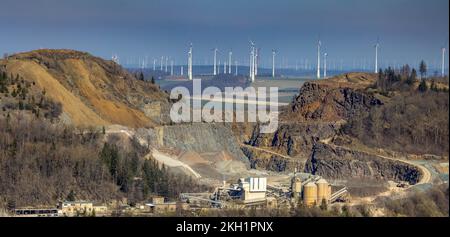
(213, 108)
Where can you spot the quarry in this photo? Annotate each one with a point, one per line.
(320, 155)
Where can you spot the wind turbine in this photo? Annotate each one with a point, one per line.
(215, 60)
(377, 45)
(162, 59)
(171, 67)
(167, 59)
(443, 61)
(229, 61)
(225, 67)
(318, 59)
(252, 61)
(274, 52)
(115, 58)
(154, 64)
(325, 65)
(256, 60)
(236, 63)
(190, 62)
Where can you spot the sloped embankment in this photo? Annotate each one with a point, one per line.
(202, 138)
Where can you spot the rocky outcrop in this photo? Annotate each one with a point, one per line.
(294, 139)
(327, 103)
(341, 163)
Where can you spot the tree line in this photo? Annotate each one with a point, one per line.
(43, 162)
(405, 78)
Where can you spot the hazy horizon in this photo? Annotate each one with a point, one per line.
(409, 30)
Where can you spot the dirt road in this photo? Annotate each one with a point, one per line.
(267, 151)
(172, 162)
(157, 155)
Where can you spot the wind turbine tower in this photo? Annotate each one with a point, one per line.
(154, 64)
(318, 59)
(190, 62)
(325, 65)
(377, 45)
(443, 62)
(236, 63)
(229, 61)
(256, 60)
(215, 61)
(252, 62)
(167, 59)
(171, 67)
(218, 67)
(273, 62)
(162, 59)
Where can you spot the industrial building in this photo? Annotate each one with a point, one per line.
(254, 191)
(81, 207)
(313, 190)
(159, 205)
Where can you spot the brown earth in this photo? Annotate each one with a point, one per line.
(92, 91)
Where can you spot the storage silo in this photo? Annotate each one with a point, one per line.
(322, 190)
(296, 187)
(310, 194)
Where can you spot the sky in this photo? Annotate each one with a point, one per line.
(408, 30)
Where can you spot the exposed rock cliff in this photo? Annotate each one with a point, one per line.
(294, 139)
(213, 138)
(267, 161)
(340, 163)
(327, 103)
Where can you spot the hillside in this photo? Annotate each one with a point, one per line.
(333, 99)
(91, 91)
(358, 125)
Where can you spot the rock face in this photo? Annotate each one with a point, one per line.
(267, 161)
(294, 139)
(317, 113)
(201, 138)
(91, 90)
(327, 103)
(340, 163)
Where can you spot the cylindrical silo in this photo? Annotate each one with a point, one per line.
(329, 192)
(322, 190)
(296, 187)
(310, 194)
